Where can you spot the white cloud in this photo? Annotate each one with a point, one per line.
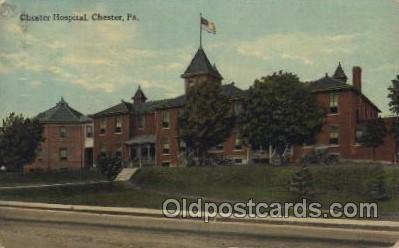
(166, 86)
(301, 47)
(175, 66)
(386, 67)
(95, 56)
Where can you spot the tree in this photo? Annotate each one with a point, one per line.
(393, 95)
(109, 165)
(206, 120)
(378, 190)
(279, 111)
(20, 139)
(302, 184)
(373, 134)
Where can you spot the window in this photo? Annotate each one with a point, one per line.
(118, 125)
(238, 143)
(165, 119)
(182, 146)
(333, 103)
(334, 135)
(359, 134)
(103, 126)
(140, 122)
(165, 145)
(63, 154)
(63, 132)
(89, 131)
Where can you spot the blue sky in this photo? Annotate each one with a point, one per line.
(94, 65)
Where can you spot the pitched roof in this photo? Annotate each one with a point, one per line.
(339, 73)
(121, 108)
(327, 83)
(229, 90)
(62, 113)
(200, 65)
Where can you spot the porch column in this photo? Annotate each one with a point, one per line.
(139, 155)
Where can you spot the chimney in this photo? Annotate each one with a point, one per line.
(357, 78)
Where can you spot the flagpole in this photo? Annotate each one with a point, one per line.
(200, 30)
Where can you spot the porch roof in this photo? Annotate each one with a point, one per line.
(141, 139)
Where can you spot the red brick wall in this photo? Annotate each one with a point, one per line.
(49, 156)
(172, 133)
(352, 109)
(149, 125)
(385, 153)
(111, 140)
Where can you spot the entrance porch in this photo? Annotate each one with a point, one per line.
(141, 150)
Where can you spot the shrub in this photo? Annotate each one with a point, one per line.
(110, 166)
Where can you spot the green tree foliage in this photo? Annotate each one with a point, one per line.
(393, 95)
(280, 111)
(20, 139)
(302, 184)
(207, 119)
(109, 165)
(373, 135)
(378, 189)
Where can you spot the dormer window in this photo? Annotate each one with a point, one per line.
(334, 103)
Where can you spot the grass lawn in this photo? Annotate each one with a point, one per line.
(34, 178)
(341, 183)
(98, 195)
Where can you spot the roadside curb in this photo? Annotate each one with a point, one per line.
(38, 186)
(327, 223)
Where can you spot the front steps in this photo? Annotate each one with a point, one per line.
(125, 174)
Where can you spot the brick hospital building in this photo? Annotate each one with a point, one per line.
(146, 133)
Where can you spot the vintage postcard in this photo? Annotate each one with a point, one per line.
(175, 123)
